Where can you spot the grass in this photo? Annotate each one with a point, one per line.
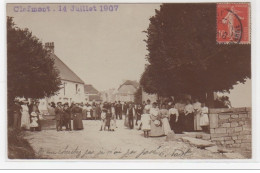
(18, 147)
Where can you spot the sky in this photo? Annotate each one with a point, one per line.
(102, 48)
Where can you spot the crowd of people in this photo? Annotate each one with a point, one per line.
(26, 116)
(155, 119)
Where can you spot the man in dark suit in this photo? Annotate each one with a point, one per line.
(17, 114)
(124, 109)
(119, 110)
(67, 117)
(59, 116)
(131, 113)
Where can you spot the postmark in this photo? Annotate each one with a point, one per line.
(233, 23)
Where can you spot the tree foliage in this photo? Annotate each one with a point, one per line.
(30, 70)
(184, 57)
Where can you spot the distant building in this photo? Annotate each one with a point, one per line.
(126, 91)
(72, 89)
(91, 93)
(108, 95)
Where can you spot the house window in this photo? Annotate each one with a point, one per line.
(64, 85)
(76, 88)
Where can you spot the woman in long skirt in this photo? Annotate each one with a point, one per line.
(197, 113)
(165, 120)
(25, 120)
(174, 118)
(156, 124)
(126, 121)
(189, 117)
(77, 120)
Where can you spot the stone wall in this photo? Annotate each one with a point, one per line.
(231, 127)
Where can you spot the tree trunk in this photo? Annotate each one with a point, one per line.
(210, 99)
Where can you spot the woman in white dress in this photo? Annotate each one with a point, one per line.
(146, 122)
(156, 123)
(204, 118)
(165, 120)
(25, 121)
(197, 113)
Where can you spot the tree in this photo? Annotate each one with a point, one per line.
(138, 96)
(184, 57)
(30, 70)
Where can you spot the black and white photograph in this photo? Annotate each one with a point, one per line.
(129, 81)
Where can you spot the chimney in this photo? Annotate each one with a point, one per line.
(50, 46)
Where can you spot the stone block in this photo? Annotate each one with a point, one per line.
(246, 128)
(230, 130)
(243, 116)
(238, 129)
(234, 124)
(213, 121)
(241, 123)
(238, 141)
(229, 142)
(218, 139)
(213, 149)
(236, 145)
(220, 130)
(215, 135)
(212, 131)
(234, 137)
(246, 140)
(206, 136)
(224, 116)
(218, 110)
(242, 137)
(245, 132)
(246, 145)
(234, 120)
(234, 134)
(225, 125)
(221, 121)
(227, 138)
(234, 116)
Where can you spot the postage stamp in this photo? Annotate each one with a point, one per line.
(233, 23)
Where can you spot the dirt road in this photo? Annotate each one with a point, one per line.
(123, 143)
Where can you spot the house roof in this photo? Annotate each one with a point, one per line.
(130, 82)
(65, 72)
(88, 88)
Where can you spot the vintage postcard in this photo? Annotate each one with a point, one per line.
(129, 81)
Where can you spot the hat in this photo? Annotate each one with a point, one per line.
(58, 102)
(16, 100)
(33, 114)
(147, 107)
(66, 104)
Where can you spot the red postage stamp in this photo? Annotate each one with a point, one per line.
(233, 23)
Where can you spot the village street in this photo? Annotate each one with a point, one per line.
(123, 143)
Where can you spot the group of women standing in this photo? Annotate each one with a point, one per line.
(177, 118)
(26, 116)
(188, 117)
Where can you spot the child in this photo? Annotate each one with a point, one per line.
(103, 119)
(204, 119)
(146, 122)
(108, 118)
(34, 122)
(113, 119)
